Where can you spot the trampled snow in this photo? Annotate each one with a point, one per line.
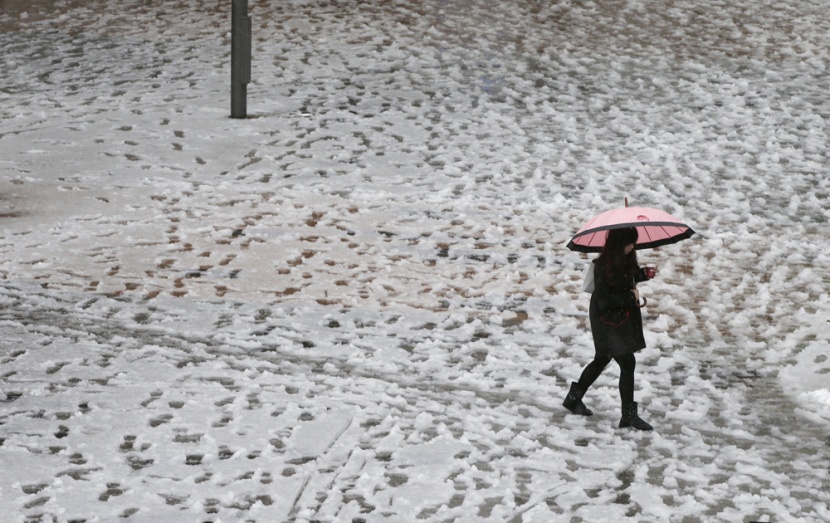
(356, 304)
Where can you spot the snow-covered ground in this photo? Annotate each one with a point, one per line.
(356, 305)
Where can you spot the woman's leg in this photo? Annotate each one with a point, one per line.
(573, 401)
(592, 371)
(627, 364)
(630, 418)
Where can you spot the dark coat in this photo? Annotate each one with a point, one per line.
(616, 322)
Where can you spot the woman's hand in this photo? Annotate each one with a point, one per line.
(636, 293)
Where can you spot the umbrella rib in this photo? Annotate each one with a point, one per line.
(648, 235)
(665, 231)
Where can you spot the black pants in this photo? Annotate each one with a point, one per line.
(595, 368)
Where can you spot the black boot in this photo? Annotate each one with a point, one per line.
(573, 401)
(631, 419)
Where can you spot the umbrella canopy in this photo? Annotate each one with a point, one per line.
(655, 228)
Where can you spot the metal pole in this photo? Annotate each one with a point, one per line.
(240, 58)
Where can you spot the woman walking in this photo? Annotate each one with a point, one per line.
(616, 324)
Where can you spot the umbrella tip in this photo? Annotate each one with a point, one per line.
(626, 201)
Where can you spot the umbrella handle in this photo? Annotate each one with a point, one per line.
(645, 302)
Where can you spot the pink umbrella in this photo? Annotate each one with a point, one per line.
(655, 228)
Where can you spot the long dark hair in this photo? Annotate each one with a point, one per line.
(619, 268)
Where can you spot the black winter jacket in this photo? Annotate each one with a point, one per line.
(616, 322)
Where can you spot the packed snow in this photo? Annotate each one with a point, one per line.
(356, 305)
